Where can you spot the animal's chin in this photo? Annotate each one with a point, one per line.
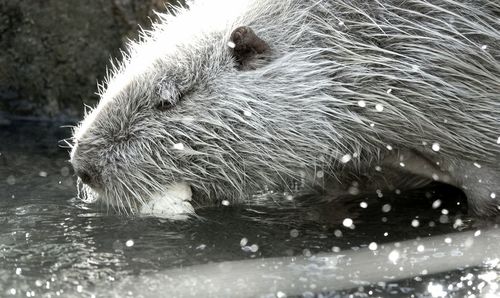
(173, 202)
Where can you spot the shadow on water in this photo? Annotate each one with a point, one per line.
(53, 244)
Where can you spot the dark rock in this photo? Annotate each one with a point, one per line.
(55, 51)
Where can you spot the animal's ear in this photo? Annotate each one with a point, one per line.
(246, 47)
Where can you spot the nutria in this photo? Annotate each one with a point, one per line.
(231, 96)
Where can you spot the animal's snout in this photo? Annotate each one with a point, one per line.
(85, 170)
(88, 175)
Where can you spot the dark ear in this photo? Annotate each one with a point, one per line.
(246, 46)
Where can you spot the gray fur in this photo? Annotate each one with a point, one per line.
(434, 66)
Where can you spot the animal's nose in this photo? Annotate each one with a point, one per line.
(82, 162)
(88, 175)
(84, 175)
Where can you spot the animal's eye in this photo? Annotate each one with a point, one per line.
(165, 105)
(168, 100)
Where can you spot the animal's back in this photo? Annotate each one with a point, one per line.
(433, 68)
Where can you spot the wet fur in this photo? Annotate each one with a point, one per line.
(303, 97)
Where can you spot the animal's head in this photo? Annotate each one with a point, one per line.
(203, 100)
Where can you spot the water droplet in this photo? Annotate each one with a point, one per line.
(373, 246)
(129, 243)
(347, 222)
(225, 202)
(436, 204)
(243, 241)
(436, 147)
(477, 165)
(393, 256)
(362, 103)
(389, 147)
(346, 158)
(493, 195)
(484, 47)
(178, 146)
(320, 174)
(11, 180)
(254, 248)
(447, 240)
(294, 233)
(353, 190)
(306, 252)
(477, 233)
(363, 205)
(458, 223)
(415, 223)
(386, 208)
(420, 248)
(247, 113)
(379, 107)
(389, 91)
(436, 290)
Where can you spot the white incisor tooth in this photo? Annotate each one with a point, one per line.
(173, 203)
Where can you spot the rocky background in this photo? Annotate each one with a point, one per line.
(53, 52)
